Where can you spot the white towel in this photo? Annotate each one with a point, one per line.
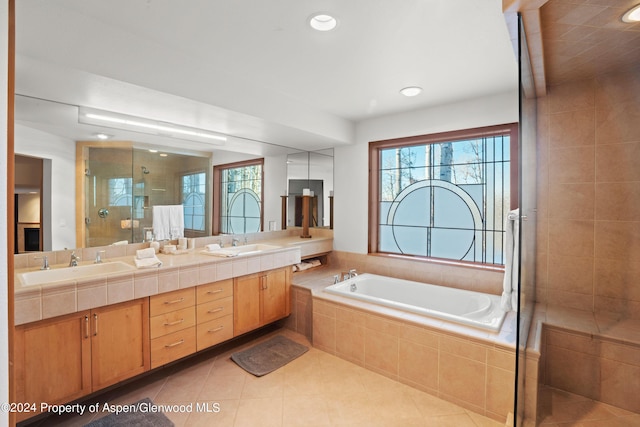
(145, 253)
(509, 300)
(147, 262)
(168, 222)
(212, 247)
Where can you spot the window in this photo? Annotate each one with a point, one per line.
(238, 206)
(443, 196)
(120, 191)
(193, 188)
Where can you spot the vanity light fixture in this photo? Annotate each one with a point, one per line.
(632, 15)
(322, 22)
(411, 91)
(139, 124)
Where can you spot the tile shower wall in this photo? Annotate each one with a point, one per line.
(588, 256)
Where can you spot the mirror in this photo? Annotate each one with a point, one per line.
(37, 135)
(119, 186)
(312, 170)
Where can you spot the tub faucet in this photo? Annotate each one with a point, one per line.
(336, 279)
(234, 242)
(73, 261)
(352, 273)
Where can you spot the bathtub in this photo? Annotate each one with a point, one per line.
(456, 305)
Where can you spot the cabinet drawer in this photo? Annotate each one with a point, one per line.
(173, 321)
(173, 346)
(172, 301)
(214, 309)
(215, 331)
(214, 291)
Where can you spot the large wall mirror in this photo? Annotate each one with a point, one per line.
(120, 182)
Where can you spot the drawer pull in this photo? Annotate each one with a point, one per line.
(219, 328)
(174, 344)
(173, 323)
(217, 291)
(175, 301)
(215, 310)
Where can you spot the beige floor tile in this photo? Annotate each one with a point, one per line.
(305, 411)
(222, 388)
(271, 385)
(225, 417)
(259, 412)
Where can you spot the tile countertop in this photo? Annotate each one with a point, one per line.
(178, 271)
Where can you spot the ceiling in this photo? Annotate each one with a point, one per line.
(253, 69)
(584, 39)
(572, 40)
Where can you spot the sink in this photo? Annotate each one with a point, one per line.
(241, 250)
(250, 249)
(41, 277)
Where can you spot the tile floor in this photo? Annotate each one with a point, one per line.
(317, 389)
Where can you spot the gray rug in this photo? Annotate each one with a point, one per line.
(140, 418)
(268, 356)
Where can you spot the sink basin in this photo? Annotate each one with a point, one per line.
(241, 250)
(42, 277)
(250, 249)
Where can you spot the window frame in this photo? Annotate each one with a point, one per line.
(217, 191)
(375, 147)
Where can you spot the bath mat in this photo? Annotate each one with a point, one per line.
(268, 356)
(140, 418)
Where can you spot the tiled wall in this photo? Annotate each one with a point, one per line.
(470, 373)
(603, 370)
(588, 246)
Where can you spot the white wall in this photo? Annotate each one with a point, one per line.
(351, 162)
(275, 183)
(4, 302)
(62, 153)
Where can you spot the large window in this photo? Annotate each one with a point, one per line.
(444, 196)
(238, 205)
(193, 188)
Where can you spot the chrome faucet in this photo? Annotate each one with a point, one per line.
(98, 257)
(73, 261)
(45, 262)
(352, 273)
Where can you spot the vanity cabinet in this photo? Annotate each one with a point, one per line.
(173, 326)
(214, 313)
(64, 358)
(260, 299)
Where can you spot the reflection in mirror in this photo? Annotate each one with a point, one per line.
(313, 171)
(119, 184)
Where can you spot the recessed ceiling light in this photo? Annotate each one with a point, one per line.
(323, 22)
(163, 154)
(151, 150)
(633, 15)
(411, 91)
(102, 136)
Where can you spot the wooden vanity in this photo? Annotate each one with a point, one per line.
(199, 301)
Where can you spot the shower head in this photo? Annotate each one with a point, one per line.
(144, 170)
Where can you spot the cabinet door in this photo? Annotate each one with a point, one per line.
(246, 303)
(119, 342)
(275, 296)
(53, 360)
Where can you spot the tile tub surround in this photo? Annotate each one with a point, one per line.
(178, 271)
(466, 366)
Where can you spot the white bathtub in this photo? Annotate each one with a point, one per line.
(457, 305)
